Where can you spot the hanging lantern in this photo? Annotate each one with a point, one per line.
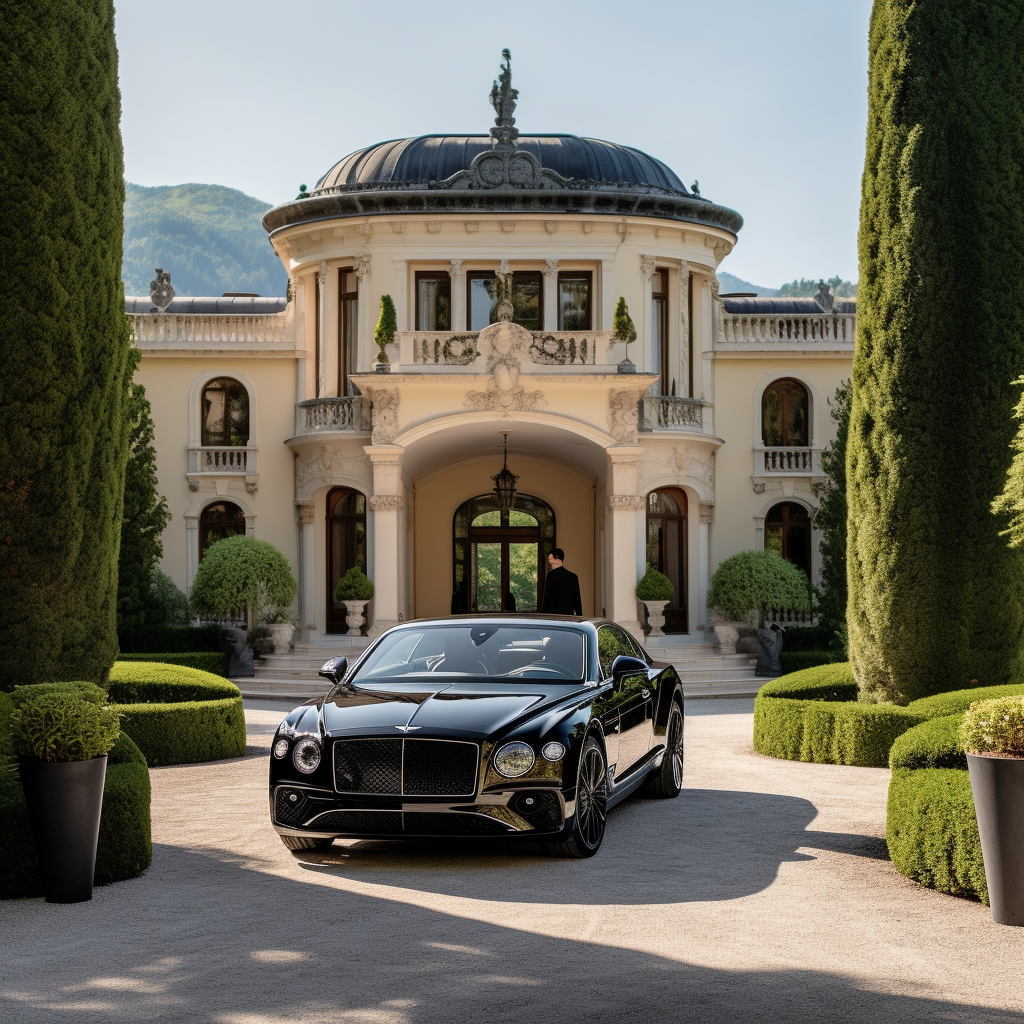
(505, 484)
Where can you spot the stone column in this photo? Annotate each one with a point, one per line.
(649, 358)
(626, 511)
(386, 504)
(550, 302)
(191, 549)
(707, 518)
(321, 318)
(304, 516)
(458, 276)
(608, 297)
(684, 331)
(367, 316)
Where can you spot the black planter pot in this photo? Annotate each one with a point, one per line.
(64, 800)
(998, 787)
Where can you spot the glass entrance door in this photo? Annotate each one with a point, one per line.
(666, 549)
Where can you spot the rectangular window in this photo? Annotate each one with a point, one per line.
(574, 301)
(433, 301)
(659, 327)
(348, 329)
(527, 299)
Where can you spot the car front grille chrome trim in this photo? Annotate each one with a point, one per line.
(365, 766)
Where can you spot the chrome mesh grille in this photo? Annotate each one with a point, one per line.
(405, 767)
(423, 824)
(289, 806)
(383, 822)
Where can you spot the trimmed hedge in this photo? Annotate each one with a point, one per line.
(956, 702)
(797, 661)
(178, 715)
(933, 744)
(814, 716)
(125, 849)
(205, 661)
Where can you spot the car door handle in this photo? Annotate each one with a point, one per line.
(645, 694)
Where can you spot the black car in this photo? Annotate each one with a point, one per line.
(510, 726)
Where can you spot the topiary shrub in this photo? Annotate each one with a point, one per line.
(178, 715)
(932, 744)
(654, 586)
(825, 682)
(796, 661)
(241, 575)
(353, 586)
(623, 328)
(205, 661)
(60, 722)
(958, 701)
(756, 581)
(994, 727)
(387, 324)
(125, 848)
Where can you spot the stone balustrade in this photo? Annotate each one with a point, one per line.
(787, 461)
(787, 330)
(349, 414)
(226, 459)
(207, 330)
(664, 412)
(461, 349)
(786, 617)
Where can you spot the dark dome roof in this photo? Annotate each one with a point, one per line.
(761, 306)
(427, 158)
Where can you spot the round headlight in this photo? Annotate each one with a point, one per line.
(514, 759)
(281, 748)
(553, 751)
(306, 755)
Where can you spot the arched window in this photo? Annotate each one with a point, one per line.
(225, 414)
(346, 546)
(784, 415)
(787, 530)
(217, 521)
(500, 559)
(666, 549)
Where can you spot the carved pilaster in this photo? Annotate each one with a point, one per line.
(381, 502)
(647, 267)
(623, 416)
(321, 353)
(385, 415)
(361, 266)
(458, 295)
(684, 330)
(630, 502)
(707, 513)
(304, 513)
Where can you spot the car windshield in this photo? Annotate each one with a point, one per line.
(479, 650)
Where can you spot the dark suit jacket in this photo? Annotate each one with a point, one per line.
(562, 592)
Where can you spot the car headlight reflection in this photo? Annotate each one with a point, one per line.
(514, 759)
(306, 755)
(553, 751)
(281, 748)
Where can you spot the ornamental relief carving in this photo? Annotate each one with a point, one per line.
(508, 345)
(631, 502)
(384, 417)
(385, 502)
(304, 513)
(325, 463)
(707, 513)
(623, 416)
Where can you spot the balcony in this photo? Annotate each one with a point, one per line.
(208, 462)
(663, 412)
(197, 332)
(547, 352)
(787, 332)
(787, 461)
(350, 414)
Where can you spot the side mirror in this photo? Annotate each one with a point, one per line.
(334, 670)
(626, 665)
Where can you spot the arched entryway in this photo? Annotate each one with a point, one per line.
(787, 530)
(217, 521)
(666, 549)
(499, 558)
(346, 546)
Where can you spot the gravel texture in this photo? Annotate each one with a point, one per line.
(763, 893)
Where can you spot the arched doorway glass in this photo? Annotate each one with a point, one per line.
(346, 546)
(666, 549)
(784, 415)
(217, 521)
(225, 414)
(787, 530)
(499, 559)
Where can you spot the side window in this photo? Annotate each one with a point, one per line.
(609, 646)
(635, 648)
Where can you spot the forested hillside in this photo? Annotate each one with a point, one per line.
(209, 237)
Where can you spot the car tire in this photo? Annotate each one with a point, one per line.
(588, 821)
(665, 782)
(305, 843)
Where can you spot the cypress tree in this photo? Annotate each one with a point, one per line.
(64, 339)
(936, 599)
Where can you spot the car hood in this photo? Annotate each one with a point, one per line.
(449, 709)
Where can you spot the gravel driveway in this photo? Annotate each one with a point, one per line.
(762, 893)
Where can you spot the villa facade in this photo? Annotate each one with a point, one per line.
(505, 256)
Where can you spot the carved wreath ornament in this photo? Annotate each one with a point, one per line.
(508, 344)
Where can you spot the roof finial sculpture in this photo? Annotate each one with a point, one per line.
(503, 99)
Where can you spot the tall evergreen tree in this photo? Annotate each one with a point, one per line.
(63, 339)
(936, 596)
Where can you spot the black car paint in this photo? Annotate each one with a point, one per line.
(489, 713)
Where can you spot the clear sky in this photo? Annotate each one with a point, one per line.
(763, 101)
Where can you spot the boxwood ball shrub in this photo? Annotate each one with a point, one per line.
(757, 580)
(354, 585)
(178, 715)
(61, 723)
(994, 727)
(654, 586)
(241, 575)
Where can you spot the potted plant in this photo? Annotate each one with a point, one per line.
(747, 583)
(624, 330)
(656, 591)
(992, 734)
(61, 733)
(384, 332)
(281, 630)
(354, 591)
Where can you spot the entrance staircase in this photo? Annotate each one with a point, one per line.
(703, 670)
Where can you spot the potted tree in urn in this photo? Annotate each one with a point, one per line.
(61, 733)
(656, 591)
(747, 583)
(623, 329)
(384, 332)
(992, 734)
(354, 591)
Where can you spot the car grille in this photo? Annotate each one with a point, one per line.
(358, 821)
(410, 823)
(290, 806)
(405, 767)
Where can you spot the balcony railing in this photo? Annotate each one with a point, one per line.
(787, 461)
(663, 412)
(209, 330)
(350, 414)
(225, 460)
(461, 349)
(825, 330)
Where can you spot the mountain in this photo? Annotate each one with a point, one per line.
(731, 283)
(209, 237)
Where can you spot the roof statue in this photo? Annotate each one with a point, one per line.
(824, 298)
(503, 99)
(160, 291)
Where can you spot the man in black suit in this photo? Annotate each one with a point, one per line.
(561, 587)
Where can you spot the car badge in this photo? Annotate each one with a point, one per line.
(408, 728)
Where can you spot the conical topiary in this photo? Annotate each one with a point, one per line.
(387, 324)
